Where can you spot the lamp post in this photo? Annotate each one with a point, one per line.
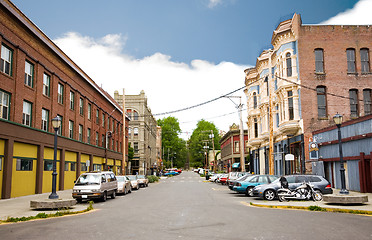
(338, 120)
(56, 123)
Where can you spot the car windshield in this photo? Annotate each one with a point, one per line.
(141, 176)
(86, 179)
(242, 178)
(120, 178)
(132, 177)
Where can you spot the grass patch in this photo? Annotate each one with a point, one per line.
(46, 215)
(316, 208)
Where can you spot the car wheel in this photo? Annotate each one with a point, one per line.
(125, 191)
(113, 195)
(282, 198)
(130, 189)
(249, 192)
(138, 187)
(269, 195)
(104, 197)
(79, 200)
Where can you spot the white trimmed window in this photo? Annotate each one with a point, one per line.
(29, 74)
(89, 111)
(27, 110)
(4, 105)
(72, 100)
(44, 119)
(46, 84)
(81, 106)
(80, 132)
(6, 60)
(60, 93)
(70, 129)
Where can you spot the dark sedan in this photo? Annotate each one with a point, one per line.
(268, 191)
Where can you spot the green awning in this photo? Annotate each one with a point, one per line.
(236, 165)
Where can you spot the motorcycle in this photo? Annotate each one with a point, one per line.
(303, 192)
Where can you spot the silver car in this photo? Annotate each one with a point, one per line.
(124, 185)
(268, 191)
(134, 181)
(95, 185)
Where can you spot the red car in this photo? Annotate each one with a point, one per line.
(223, 179)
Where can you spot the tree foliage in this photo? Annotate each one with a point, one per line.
(174, 147)
(201, 137)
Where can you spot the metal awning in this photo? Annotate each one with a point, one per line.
(236, 165)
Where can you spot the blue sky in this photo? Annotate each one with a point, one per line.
(232, 30)
(180, 52)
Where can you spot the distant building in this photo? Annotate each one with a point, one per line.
(230, 150)
(312, 72)
(38, 82)
(142, 133)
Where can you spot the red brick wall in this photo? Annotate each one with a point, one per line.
(334, 40)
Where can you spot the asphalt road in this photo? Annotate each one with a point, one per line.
(185, 207)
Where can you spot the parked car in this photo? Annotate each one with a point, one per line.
(214, 177)
(235, 175)
(134, 181)
(251, 182)
(223, 178)
(171, 173)
(124, 185)
(95, 185)
(142, 181)
(231, 183)
(268, 191)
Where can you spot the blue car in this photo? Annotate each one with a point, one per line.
(248, 184)
(171, 173)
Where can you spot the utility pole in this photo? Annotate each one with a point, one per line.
(214, 154)
(124, 164)
(271, 122)
(242, 150)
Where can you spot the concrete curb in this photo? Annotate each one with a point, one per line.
(315, 209)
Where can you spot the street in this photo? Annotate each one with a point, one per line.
(186, 207)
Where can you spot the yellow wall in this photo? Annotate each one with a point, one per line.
(2, 142)
(110, 161)
(70, 176)
(84, 158)
(23, 182)
(47, 175)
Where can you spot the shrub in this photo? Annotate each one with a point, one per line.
(152, 178)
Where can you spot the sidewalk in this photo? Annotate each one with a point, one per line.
(20, 206)
(362, 207)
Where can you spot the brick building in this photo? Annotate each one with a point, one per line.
(311, 73)
(38, 82)
(230, 150)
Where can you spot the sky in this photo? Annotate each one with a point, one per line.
(180, 52)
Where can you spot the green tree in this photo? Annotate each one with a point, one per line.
(201, 137)
(174, 147)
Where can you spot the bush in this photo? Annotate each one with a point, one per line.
(152, 178)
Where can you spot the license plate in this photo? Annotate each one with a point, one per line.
(84, 196)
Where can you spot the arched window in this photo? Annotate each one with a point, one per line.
(135, 115)
(350, 55)
(319, 60)
(289, 64)
(364, 57)
(255, 100)
(322, 102)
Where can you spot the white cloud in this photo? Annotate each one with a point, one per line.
(360, 14)
(169, 85)
(214, 3)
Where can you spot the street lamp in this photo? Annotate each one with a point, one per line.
(56, 123)
(338, 120)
